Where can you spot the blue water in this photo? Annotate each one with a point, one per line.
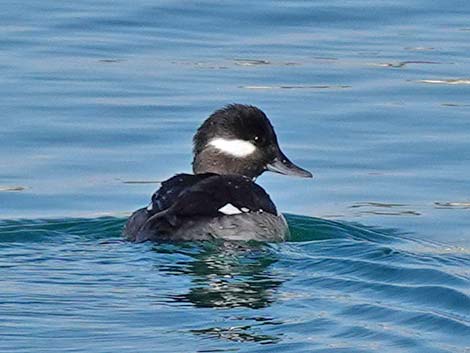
(99, 101)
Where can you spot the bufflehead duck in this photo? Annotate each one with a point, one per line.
(232, 148)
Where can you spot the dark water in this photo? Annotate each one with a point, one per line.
(373, 97)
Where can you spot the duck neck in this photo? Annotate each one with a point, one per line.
(218, 163)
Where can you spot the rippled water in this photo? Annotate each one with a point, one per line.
(74, 285)
(97, 97)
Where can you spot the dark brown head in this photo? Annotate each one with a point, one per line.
(239, 139)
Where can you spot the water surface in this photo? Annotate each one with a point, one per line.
(372, 97)
(75, 285)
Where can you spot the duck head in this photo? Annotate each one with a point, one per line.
(239, 139)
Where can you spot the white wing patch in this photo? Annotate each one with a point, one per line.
(236, 148)
(229, 209)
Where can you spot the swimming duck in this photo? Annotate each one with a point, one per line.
(221, 199)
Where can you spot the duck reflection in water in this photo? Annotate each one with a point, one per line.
(228, 275)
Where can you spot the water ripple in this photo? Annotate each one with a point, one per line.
(346, 284)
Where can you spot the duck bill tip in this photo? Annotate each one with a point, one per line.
(283, 165)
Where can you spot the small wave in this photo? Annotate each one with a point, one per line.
(254, 87)
(59, 230)
(13, 188)
(454, 105)
(419, 48)
(450, 81)
(405, 63)
(452, 205)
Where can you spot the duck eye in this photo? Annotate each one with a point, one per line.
(258, 140)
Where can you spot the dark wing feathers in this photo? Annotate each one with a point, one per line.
(170, 190)
(208, 196)
(200, 195)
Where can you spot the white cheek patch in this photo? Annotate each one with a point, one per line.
(236, 148)
(229, 209)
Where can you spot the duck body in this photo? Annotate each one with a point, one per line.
(208, 206)
(221, 199)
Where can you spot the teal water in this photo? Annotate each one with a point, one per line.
(98, 102)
